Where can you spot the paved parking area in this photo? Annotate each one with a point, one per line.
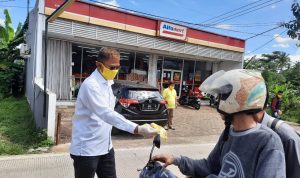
(128, 161)
(192, 127)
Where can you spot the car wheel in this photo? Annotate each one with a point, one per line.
(180, 102)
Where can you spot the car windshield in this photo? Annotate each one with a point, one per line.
(143, 94)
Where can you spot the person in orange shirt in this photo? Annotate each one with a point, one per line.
(169, 94)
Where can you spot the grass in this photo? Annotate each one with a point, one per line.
(291, 115)
(17, 128)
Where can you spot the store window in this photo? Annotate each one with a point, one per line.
(76, 64)
(140, 71)
(172, 71)
(127, 64)
(134, 66)
(173, 63)
(208, 70)
(90, 55)
(83, 64)
(200, 71)
(188, 75)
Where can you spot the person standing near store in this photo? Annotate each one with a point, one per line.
(276, 105)
(169, 94)
(91, 146)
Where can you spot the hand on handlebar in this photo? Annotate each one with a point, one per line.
(164, 158)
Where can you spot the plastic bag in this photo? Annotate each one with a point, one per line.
(162, 132)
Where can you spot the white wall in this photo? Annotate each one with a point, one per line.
(229, 65)
(34, 73)
(34, 39)
(48, 122)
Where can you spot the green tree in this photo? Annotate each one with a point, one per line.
(293, 26)
(276, 62)
(11, 71)
(280, 75)
(293, 76)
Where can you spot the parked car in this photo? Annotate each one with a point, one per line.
(139, 102)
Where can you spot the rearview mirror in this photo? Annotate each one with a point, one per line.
(156, 141)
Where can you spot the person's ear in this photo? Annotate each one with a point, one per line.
(97, 63)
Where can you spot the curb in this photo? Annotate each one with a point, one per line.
(292, 123)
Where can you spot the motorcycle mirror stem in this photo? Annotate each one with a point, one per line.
(156, 143)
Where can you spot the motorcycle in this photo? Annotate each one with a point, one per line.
(190, 98)
(154, 169)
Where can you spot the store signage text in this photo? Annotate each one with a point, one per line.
(172, 31)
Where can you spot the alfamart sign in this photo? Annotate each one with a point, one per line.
(173, 31)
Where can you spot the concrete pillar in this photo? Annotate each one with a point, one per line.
(215, 67)
(229, 65)
(152, 70)
(51, 111)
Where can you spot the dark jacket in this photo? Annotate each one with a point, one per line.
(276, 104)
(291, 144)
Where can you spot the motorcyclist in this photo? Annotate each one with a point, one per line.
(276, 105)
(290, 140)
(245, 148)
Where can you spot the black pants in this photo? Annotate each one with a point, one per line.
(87, 166)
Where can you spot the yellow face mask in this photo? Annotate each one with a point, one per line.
(171, 87)
(279, 96)
(107, 73)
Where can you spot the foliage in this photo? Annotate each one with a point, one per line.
(11, 72)
(17, 128)
(5, 78)
(293, 76)
(294, 25)
(276, 62)
(280, 75)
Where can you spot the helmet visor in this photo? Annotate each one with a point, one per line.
(216, 84)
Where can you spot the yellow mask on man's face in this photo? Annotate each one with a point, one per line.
(171, 87)
(279, 96)
(107, 73)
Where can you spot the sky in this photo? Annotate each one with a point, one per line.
(265, 15)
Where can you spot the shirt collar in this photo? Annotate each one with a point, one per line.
(233, 133)
(101, 79)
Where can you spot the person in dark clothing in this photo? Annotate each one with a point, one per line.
(276, 105)
(290, 141)
(246, 148)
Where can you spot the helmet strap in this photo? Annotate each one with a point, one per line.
(228, 119)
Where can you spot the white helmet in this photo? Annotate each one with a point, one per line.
(239, 90)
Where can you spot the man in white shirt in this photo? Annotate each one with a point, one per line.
(91, 147)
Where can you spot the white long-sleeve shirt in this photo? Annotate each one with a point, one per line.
(94, 117)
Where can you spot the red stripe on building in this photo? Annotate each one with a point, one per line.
(121, 17)
(76, 7)
(172, 33)
(206, 36)
(127, 18)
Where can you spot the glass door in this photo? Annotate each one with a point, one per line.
(172, 75)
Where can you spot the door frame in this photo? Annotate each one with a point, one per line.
(172, 75)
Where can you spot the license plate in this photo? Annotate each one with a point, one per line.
(149, 106)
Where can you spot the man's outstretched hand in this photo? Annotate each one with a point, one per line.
(146, 131)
